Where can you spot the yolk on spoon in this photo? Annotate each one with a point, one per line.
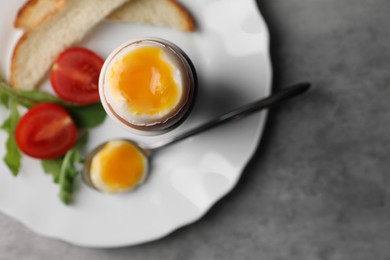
(145, 80)
(118, 166)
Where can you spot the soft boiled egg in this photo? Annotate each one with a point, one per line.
(148, 85)
(118, 166)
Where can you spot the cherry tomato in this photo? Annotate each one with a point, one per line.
(46, 131)
(75, 76)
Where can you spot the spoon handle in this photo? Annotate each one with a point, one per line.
(240, 112)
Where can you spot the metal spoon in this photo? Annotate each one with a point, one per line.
(238, 113)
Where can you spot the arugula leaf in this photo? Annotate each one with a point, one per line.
(66, 177)
(69, 170)
(4, 98)
(53, 167)
(88, 116)
(30, 98)
(12, 157)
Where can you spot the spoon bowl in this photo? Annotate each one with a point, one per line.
(86, 172)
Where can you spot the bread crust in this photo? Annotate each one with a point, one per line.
(20, 16)
(13, 61)
(30, 15)
(187, 23)
(189, 20)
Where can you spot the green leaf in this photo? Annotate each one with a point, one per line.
(4, 98)
(83, 140)
(88, 116)
(29, 98)
(69, 170)
(66, 177)
(53, 167)
(12, 157)
(6, 125)
(37, 96)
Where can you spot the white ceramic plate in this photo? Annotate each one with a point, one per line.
(230, 52)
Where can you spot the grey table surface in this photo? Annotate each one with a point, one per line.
(318, 186)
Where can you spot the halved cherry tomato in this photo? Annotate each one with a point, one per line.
(46, 131)
(75, 76)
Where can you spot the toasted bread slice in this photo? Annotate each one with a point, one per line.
(167, 13)
(37, 49)
(34, 12)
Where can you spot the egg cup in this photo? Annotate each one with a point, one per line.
(175, 116)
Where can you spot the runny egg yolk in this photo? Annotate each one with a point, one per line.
(146, 81)
(119, 166)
